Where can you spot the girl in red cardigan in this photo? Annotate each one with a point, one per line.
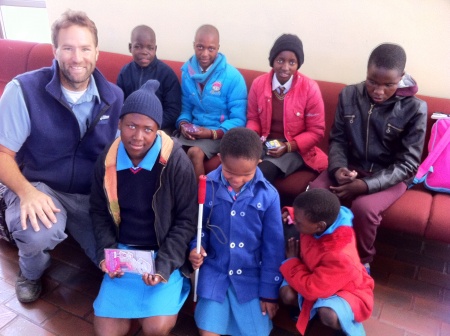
(325, 269)
(287, 106)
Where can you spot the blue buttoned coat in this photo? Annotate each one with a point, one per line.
(243, 240)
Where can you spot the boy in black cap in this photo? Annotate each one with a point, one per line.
(143, 197)
(296, 124)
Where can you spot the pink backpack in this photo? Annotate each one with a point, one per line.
(434, 171)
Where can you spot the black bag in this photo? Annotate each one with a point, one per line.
(4, 232)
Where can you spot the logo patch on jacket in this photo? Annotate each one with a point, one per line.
(216, 86)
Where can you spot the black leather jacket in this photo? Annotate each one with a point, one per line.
(382, 142)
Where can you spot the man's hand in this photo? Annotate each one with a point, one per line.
(35, 204)
(269, 308)
(344, 175)
(292, 248)
(350, 190)
(196, 259)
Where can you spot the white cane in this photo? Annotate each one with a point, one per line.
(201, 201)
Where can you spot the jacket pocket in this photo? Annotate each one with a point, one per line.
(349, 118)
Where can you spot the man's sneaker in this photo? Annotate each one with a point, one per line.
(27, 290)
(367, 267)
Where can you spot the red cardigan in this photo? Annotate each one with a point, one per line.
(330, 265)
(304, 115)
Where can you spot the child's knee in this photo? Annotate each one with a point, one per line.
(329, 317)
(195, 154)
(111, 326)
(158, 325)
(288, 296)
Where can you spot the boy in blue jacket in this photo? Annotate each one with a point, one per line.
(240, 252)
(145, 66)
(214, 98)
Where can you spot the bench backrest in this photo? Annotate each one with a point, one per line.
(17, 57)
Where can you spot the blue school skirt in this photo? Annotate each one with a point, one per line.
(341, 308)
(231, 317)
(343, 311)
(129, 296)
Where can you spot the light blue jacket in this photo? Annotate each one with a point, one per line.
(243, 240)
(223, 101)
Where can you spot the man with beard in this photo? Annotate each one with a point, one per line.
(54, 122)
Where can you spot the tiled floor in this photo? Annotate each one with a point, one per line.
(403, 307)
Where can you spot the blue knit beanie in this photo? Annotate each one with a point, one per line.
(144, 101)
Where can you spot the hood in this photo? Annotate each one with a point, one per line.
(407, 87)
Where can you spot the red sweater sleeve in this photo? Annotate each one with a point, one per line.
(333, 273)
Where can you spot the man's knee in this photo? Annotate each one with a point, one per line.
(45, 239)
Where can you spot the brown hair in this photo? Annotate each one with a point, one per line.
(70, 18)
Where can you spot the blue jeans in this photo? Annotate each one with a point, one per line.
(33, 246)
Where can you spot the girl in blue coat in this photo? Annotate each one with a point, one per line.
(240, 255)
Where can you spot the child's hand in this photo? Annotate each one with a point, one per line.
(151, 280)
(277, 152)
(344, 175)
(292, 248)
(269, 308)
(350, 190)
(286, 218)
(196, 259)
(111, 274)
(187, 130)
(201, 133)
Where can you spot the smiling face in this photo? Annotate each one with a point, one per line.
(238, 171)
(76, 54)
(138, 133)
(143, 46)
(381, 83)
(206, 47)
(285, 65)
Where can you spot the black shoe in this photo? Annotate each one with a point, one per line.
(294, 312)
(27, 290)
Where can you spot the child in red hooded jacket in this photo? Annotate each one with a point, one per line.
(325, 269)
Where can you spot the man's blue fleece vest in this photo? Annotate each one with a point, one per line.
(55, 153)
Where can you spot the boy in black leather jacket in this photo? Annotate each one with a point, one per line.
(376, 143)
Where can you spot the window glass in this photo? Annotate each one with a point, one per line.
(25, 23)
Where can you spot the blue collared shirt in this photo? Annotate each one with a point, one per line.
(15, 126)
(147, 163)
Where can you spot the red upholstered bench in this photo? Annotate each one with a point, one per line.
(419, 212)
